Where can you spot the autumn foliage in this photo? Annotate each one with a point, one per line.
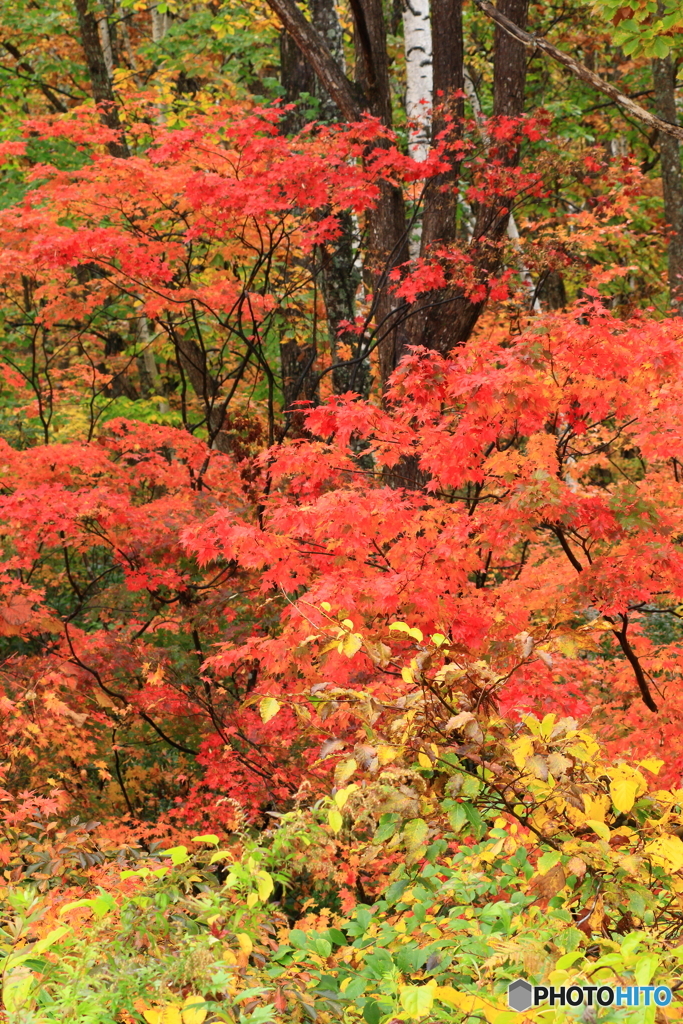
(428, 633)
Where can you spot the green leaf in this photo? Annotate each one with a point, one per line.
(178, 855)
(548, 860)
(415, 834)
(388, 824)
(475, 819)
(417, 1000)
(335, 820)
(645, 969)
(264, 885)
(457, 817)
(298, 938)
(211, 839)
(661, 47)
(372, 1013)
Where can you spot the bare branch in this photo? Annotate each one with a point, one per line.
(581, 71)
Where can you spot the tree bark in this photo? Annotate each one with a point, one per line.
(386, 226)
(316, 51)
(296, 77)
(440, 199)
(417, 44)
(387, 238)
(334, 261)
(100, 80)
(430, 325)
(509, 62)
(664, 77)
(509, 79)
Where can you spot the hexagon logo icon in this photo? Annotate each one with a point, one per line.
(520, 995)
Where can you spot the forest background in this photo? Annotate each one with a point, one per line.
(341, 455)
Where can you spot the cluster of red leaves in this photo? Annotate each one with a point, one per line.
(153, 597)
(552, 501)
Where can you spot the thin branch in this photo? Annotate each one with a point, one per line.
(580, 70)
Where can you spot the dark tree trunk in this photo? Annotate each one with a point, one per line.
(431, 325)
(664, 77)
(387, 243)
(326, 20)
(440, 201)
(100, 82)
(297, 77)
(509, 62)
(509, 79)
(387, 237)
(339, 278)
(299, 383)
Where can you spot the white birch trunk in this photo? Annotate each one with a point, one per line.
(417, 36)
(417, 42)
(105, 43)
(160, 23)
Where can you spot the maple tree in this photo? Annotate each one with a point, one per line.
(340, 573)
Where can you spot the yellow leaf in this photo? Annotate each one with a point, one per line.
(547, 725)
(667, 851)
(211, 839)
(532, 724)
(352, 644)
(386, 754)
(252, 900)
(568, 645)
(438, 639)
(334, 820)
(344, 771)
(264, 884)
(268, 708)
(407, 674)
(448, 994)
(521, 749)
(468, 1003)
(152, 1016)
(651, 764)
(170, 1015)
(399, 627)
(623, 790)
(229, 957)
(194, 1010)
(245, 943)
(342, 795)
(415, 834)
(425, 762)
(599, 828)
(326, 607)
(596, 806)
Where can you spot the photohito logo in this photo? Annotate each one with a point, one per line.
(522, 995)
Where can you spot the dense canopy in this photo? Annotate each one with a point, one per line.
(341, 509)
